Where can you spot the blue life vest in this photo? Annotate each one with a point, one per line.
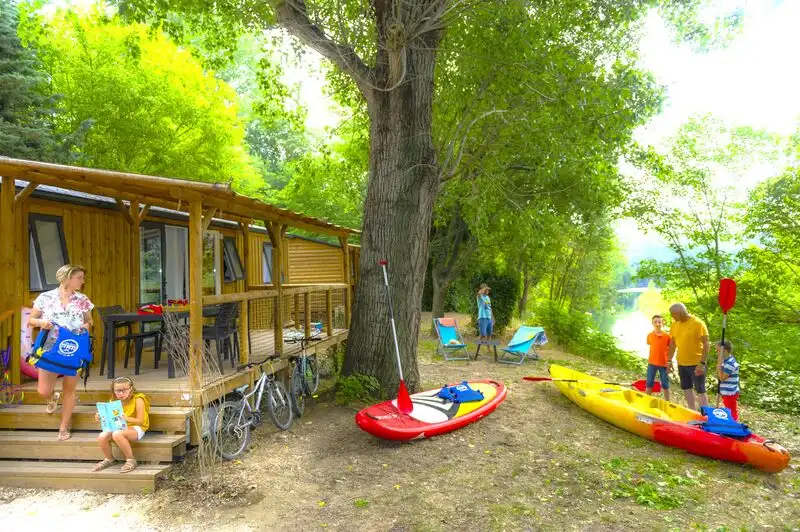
(69, 354)
(720, 421)
(460, 393)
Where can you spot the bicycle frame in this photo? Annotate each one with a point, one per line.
(261, 384)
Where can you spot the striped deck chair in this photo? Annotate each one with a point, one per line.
(523, 345)
(451, 346)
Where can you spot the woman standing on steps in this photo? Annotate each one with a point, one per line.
(67, 307)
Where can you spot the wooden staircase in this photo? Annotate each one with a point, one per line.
(32, 457)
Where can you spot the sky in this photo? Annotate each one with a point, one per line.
(748, 83)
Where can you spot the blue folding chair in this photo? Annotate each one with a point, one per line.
(451, 346)
(523, 345)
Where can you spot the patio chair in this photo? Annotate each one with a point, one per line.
(130, 338)
(224, 327)
(523, 345)
(451, 345)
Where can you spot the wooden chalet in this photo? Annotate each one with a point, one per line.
(145, 239)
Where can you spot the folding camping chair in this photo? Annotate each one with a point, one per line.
(450, 342)
(524, 341)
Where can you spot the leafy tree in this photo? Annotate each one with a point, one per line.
(390, 51)
(153, 109)
(27, 108)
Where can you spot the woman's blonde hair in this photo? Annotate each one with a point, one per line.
(67, 271)
(122, 379)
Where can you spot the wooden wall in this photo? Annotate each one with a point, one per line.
(314, 262)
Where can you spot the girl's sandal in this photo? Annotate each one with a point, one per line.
(52, 403)
(129, 466)
(64, 434)
(103, 464)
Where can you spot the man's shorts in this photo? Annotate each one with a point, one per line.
(689, 380)
(485, 326)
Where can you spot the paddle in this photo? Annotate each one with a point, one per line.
(639, 385)
(404, 404)
(727, 297)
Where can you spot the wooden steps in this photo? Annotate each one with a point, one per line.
(79, 475)
(33, 417)
(32, 457)
(24, 444)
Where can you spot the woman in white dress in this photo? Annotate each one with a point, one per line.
(66, 307)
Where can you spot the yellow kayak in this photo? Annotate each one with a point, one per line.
(665, 422)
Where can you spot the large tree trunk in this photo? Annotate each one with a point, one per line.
(404, 175)
(404, 181)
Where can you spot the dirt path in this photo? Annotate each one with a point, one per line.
(537, 463)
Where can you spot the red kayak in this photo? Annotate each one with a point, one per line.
(431, 415)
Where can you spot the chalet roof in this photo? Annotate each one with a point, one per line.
(166, 193)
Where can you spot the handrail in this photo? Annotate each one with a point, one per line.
(5, 315)
(261, 294)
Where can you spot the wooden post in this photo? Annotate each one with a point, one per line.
(136, 267)
(276, 232)
(329, 312)
(346, 277)
(196, 295)
(297, 311)
(244, 323)
(13, 285)
(8, 226)
(307, 314)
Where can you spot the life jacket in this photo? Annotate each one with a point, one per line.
(67, 353)
(460, 393)
(720, 421)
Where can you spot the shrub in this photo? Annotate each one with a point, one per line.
(357, 388)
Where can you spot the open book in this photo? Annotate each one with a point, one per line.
(111, 416)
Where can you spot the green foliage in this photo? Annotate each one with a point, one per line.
(28, 110)
(357, 389)
(153, 109)
(504, 294)
(573, 330)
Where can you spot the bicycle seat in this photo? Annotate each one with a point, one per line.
(241, 389)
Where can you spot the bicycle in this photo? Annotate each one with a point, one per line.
(10, 394)
(305, 376)
(231, 426)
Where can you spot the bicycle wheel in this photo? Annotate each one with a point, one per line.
(230, 433)
(298, 393)
(311, 374)
(279, 406)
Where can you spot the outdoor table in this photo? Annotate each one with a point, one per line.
(491, 343)
(110, 335)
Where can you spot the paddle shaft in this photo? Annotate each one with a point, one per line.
(391, 319)
(550, 379)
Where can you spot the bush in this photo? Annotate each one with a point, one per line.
(357, 388)
(505, 295)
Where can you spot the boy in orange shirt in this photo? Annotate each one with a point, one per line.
(658, 341)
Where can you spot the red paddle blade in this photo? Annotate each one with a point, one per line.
(537, 379)
(727, 294)
(404, 404)
(641, 385)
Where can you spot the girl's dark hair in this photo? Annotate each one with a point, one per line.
(657, 316)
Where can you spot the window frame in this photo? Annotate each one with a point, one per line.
(264, 246)
(37, 250)
(230, 261)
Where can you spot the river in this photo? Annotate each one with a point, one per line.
(631, 329)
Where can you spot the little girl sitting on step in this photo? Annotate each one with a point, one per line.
(135, 408)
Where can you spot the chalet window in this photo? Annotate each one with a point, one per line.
(266, 264)
(232, 266)
(48, 251)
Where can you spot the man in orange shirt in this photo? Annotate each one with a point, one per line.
(689, 335)
(658, 341)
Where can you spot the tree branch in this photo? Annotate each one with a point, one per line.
(293, 15)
